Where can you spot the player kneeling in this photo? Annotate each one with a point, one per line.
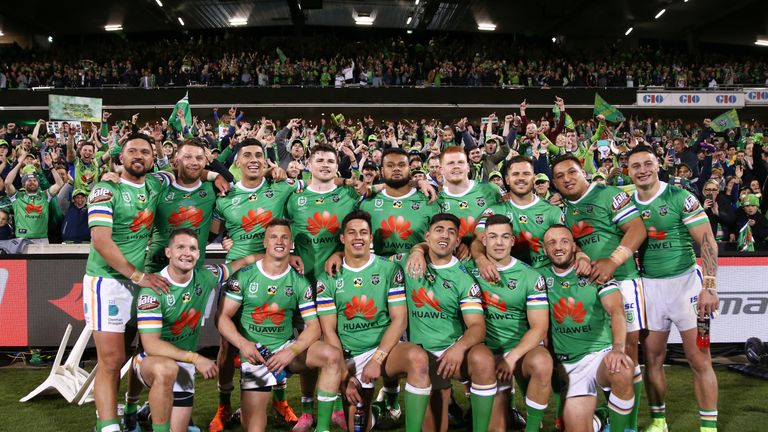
(169, 330)
(588, 337)
(269, 294)
(363, 310)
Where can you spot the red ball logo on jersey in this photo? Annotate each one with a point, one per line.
(581, 229)
(467, 227)
(398, 226)
(326, 221)
(190, 214)
(259, 217)
(493, 300)
(143, 219)
(422, 297)
(569, 308)
(362, 306)
(268, 312)
(656, 234)
(188, 319)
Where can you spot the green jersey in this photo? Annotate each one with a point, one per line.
(30, 213)
(529, 222)
(668, 216)
(181, 207)
(316, 219)
(506, 303)
(85, 175)
(360, 298)
(579, 324)
(129, 209)
(270, 303)
(594, 220)
(438, 302)
(470, 205)
(246, 213)
(176, 315)
(398, 223)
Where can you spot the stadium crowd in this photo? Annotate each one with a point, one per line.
(335, 60)
(726, 170)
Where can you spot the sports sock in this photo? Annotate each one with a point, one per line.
(308, 405)
(325, 403)
(225, 394)
(278, 391)
(391, 393)
(416, 401)
(638, 386)
(659, 413)
(481, 398)
(111, 425)
(535, 415)
(707, 418)
(131, 404)
(165, 427)
(338, 405)
(620, 411)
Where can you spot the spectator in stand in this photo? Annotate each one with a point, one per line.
(749, 214)
(6, 231)
(720, 212)
(75, 228)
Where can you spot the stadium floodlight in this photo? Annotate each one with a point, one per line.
(1, 33)
(629, 30)
(181, 21)
(364, 20)
(159, 3)
(113, 27)
(409, 31)
(50, 39)
(410, 18)
(762, 40)
(486, 26)
(417, 2)
(661, 12)
(238, 21)
(554, 39)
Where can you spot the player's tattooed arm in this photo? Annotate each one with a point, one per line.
(708, 299)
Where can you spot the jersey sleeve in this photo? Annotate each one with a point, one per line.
(149, 312)
(326, 305)
(101, 204)
(691, 211)
(492, 192)
(220, 272)
(305, 297)
(396, 295)
(536, 297)
(607, 288)
(471, 298)
(234, 291)
(217, 214)
(488, 212)
(162, 179)
(622, 209)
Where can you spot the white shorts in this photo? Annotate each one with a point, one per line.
(356, 364)
(108, 304)
(632, 291)
(582, 375)
(185, 379)
(254, 377)
(673, 300)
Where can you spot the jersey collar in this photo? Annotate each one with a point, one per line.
(453, 262)
(662, 188)
(241, 187)
(589, 189)
(186, 188)
(508, 266)
(309, 188)
(567, 272)
(526, 206)
(166, 274)
(357, 269)
(261, 270)
(459, 195)
(130, 183)
(384, 192)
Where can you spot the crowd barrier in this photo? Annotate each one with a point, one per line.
(41, 293)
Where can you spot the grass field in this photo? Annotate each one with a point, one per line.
(742, 406)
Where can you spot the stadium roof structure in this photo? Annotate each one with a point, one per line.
(715, 21)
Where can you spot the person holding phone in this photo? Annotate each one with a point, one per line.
(722, 217)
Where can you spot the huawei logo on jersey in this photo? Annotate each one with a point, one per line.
(526, 238)
(31, 208)
(581, 229)
(467, 227)
(398, 226)
(188, 319)
(569, 308)
(493, 300)
(266, 312)
(656, 234)
(422, 297)
(326, 221)
(143, 219)
(254, 218)
(190, 214)
(362, 306)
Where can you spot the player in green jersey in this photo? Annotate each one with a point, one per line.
(169, 327)
(516, 319)
(31, 205)
(399, 213)
(187, 203)
(465, 198)
(267, 297)
(446, 319)
(588, 334)
(363, 310)
(608, 228)
(120, 216)
(675, 290)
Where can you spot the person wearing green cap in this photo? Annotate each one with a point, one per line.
(599, 177)
(31, 205)
(749, 213)
(541, 186)
(83, 165)
(75, 227)
(496, 178)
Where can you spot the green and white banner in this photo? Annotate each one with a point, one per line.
(74, 108)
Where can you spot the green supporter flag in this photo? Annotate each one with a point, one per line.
(727, 120)
(569, 124)
(746, 241)
(281, 54)
(183, 104)
(609, 111)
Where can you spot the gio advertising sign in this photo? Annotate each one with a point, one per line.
(701, 99)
